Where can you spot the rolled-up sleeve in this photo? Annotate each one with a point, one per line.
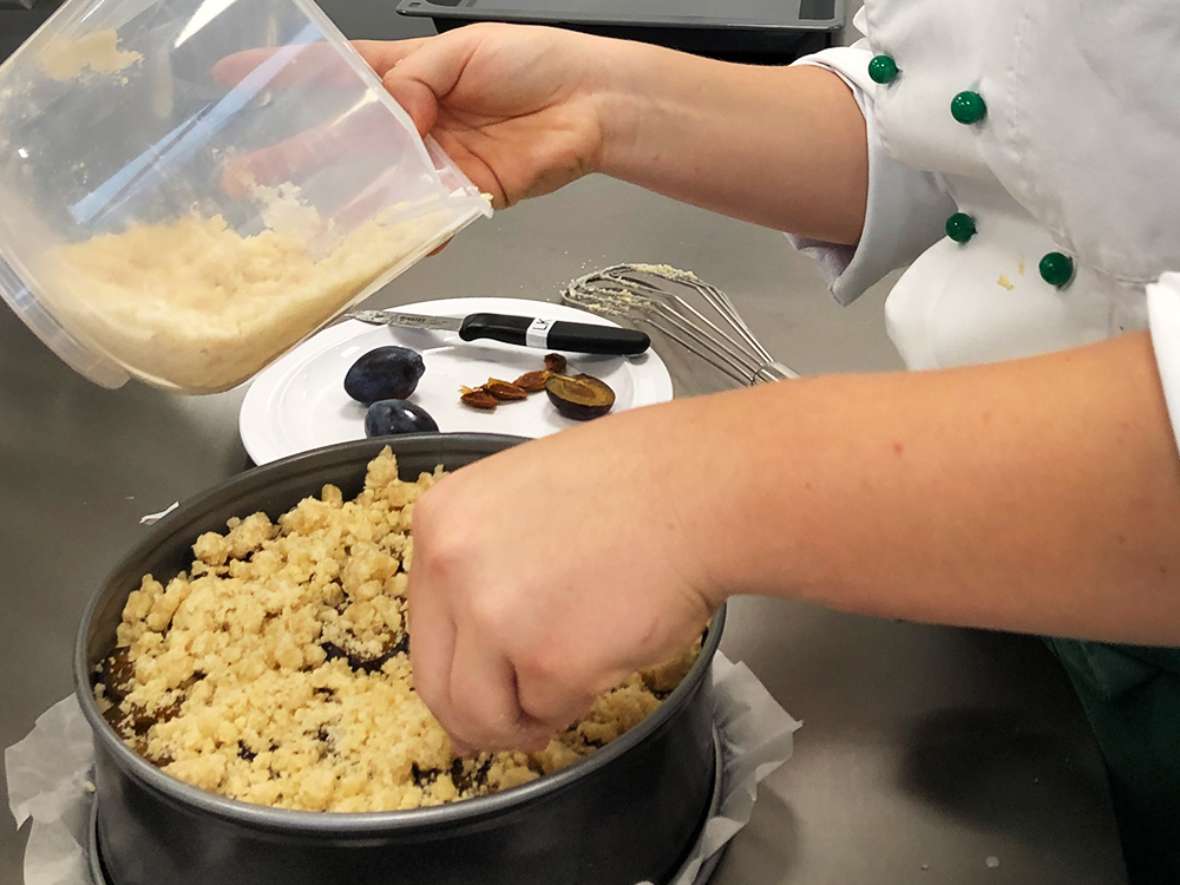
(1163, 311)
(906, 210)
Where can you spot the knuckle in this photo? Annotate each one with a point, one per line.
(424, 517)
(543, 664)
(486, 611)
(435, 701)
(438, 561)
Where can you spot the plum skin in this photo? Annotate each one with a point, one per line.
(390, 417)
(389, 372)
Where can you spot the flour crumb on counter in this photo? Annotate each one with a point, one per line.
(153, 518)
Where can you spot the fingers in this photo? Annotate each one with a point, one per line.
(432, 649)
(421, 78)
(285, 66)
(483, 710)
(382, 55)
(233, 69)
(417, 73)
(462, 674)
(486, 705)
(486, 663)
(294, 158)
(462, 670)
(546, 699)
(366, 131)
(320, 63)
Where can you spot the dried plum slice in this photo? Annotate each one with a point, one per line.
(368, 665)
(402, 646)
(135, 720)
(469, 776)
(197, 676)
(114, 716)
(171, 711)
(423, 779)
(116, 672)
(359, 664)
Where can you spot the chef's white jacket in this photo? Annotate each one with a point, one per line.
(1076, 156)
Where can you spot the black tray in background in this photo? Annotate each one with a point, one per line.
(760, 31)
(18, 20)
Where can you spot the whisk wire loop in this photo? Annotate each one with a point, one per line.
(718, 335)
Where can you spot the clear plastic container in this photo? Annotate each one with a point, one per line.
(188, 188)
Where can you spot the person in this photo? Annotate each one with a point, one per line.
(1024, 160)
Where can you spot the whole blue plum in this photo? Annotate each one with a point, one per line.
(389, 417)
(389, 372)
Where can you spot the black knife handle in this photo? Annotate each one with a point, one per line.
(496, 326)
(588, 338)
(559, 335)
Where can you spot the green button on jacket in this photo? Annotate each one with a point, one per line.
(1131, 696)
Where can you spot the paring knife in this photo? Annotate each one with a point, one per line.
(525, 331)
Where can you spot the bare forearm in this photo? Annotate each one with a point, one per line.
(784, 148)
(1039, 496)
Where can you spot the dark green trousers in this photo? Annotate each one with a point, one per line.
(1131, 696)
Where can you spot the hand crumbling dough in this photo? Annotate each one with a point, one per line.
(276, 669)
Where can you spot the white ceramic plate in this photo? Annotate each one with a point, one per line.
(298, 403)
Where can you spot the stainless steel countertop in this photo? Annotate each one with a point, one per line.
(925, 751)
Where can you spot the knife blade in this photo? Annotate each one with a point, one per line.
(521, 330)
(407, 320)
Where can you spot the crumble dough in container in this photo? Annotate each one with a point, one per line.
(190, 189)
(195, 305)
